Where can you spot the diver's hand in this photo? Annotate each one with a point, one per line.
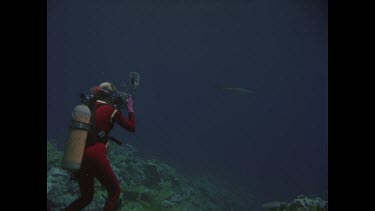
(129, 103)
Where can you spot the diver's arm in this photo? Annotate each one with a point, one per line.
(128, 124)
(121, 120)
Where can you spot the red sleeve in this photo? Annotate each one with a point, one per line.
(128, 124)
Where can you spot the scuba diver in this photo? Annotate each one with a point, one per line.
(94, 161)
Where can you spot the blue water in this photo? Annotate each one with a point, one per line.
(273, 142)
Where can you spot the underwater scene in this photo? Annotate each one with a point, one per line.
(187, 105)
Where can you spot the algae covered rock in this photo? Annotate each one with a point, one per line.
(306, 202)
(300, 203)
(309, 203)
(54, 156)
(146, 185)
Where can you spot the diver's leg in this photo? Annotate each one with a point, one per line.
(108, 179)
(86, 188)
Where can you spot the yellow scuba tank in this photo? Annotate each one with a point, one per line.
(74, 148)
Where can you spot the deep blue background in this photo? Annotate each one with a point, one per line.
(273, 142)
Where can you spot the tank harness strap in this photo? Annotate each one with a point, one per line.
(100, 105)
(94, 115)
(93, 125)
(113, 114)
(79, 125)
(102, 136)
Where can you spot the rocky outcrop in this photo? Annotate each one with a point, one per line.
(146, 185)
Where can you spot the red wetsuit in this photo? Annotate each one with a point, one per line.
(95, 162)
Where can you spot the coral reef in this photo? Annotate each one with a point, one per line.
(146, 185)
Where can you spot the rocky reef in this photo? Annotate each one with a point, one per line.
(147, 185)
(299, 203)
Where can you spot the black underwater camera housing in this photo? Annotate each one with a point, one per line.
(118, 97)
(133, 81)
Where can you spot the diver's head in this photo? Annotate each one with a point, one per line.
(108, 86)
(104, 92)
